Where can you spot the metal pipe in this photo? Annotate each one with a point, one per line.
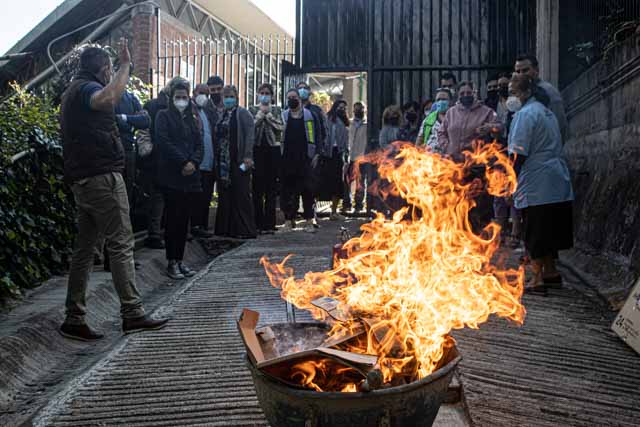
(11, 56)
(158, 53)
(95, 34)
(246, 72)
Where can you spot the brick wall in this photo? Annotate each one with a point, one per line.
(604, 155)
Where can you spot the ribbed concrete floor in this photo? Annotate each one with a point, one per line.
(563, 368)
(192, 373)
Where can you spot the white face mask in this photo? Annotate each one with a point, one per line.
(202, 100)
(181, 104)
(514, 104)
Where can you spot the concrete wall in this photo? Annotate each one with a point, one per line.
(604, 155)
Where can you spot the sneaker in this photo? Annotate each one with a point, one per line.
(310, 228)
(173, 271)
(288, 226)
(337, 217)
(201, 233)
(186, 271)
(315, 223)
(144, 323)
(154, 243)
(79, 332)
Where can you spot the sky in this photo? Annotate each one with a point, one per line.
(15, 23)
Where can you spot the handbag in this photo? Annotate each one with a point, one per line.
(145, 146)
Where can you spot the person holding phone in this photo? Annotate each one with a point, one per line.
(235, 134)
(267, 155)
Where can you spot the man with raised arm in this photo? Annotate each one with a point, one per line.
(94, 163)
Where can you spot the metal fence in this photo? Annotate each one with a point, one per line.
(245, 62)
(589, 28)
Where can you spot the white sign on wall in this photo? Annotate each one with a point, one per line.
(627, 324)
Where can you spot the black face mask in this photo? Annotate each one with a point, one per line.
(411, 117)
(467, 101)
(293, 103)
(359, 115)
(492, 94)
(216, 98)
(342, 114)
(394, 121)
(504, 92)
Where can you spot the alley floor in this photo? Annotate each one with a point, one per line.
(563, 367)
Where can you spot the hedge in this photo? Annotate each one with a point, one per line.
(37, 213)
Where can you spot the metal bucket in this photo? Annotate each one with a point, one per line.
(414, 404)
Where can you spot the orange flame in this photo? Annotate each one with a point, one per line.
(423, 273)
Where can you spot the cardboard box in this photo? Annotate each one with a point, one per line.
(264, 351)
(627, 324)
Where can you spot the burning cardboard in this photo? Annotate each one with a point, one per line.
(284, 351)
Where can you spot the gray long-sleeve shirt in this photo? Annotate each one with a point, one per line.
(556, 105)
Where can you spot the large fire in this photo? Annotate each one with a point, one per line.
(417, 276)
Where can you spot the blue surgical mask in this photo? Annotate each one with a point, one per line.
(304, 94)
(265, 99)
(442, 106)
(229, 103)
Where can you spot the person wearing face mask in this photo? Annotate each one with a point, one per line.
(502, 206)
(300, 156)
(391, 124)
(544, 191)
(357, 149)
(182, 150)
(411, 128)
(266, 154)
(216, 84)
(235, 136)
(493, 95)
(151, 175)
(469, 122)
(428, 135)
(93, 167)
(465, 123)
(335, 154)
(206, 118)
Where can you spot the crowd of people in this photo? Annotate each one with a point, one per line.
(203, 141)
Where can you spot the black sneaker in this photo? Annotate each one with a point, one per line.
(144, 323)
(153, 243)
(173, 271)
(186, 271)
(79, 332)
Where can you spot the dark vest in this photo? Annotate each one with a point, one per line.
(91, 140)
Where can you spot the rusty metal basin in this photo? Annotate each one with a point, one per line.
(414, 404)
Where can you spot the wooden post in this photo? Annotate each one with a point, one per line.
(548, 40)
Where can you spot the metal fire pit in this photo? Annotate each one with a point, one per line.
(414, 404)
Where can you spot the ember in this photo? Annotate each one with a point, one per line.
(411, 279)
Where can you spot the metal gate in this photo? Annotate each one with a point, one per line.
(291, 76)
(405, 45)
(245, 62)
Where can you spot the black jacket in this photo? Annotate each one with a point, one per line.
(91, 141)
(179, 141)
